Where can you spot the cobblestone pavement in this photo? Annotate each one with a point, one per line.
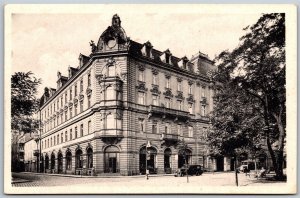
(207, 179)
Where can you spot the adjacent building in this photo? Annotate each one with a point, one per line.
(121, 99)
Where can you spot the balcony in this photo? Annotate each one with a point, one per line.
(110, 136)
(170, 137)
(167, 112)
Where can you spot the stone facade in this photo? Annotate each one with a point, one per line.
(121, 98)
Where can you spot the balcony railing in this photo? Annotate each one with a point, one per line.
(167, 136)
(169, 112)
(110, 133)
(21, 149)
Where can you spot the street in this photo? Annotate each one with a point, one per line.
(207, 179)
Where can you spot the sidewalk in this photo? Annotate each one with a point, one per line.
(98, 176)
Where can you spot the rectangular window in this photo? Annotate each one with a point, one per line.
(154, 127)
(57, 104)
(89, 101)
(75, 90)
(203, 92)
(180, 105)
(191, 109)
(75, 109)
(48, 143)
(203, 110)
(66, 97)
(62, 138)
(154, 79)
(54, 122)
(141, 76)
(61, 118)
(167, 128)
(66, 136)
(81, 106)
(89, 127)
(66, 115)
(155, 100)
(190, 89)
(71, 93)
(142, 125)
(75, 132)
(179, 86)
(168, 82)
(81, 85)
(81, 130)
(168, 102)
(71, 134)
(141, 98)
(179, 130)
(190, 131)
(71, 112)
(58, 139)
(89, 79)
(54, 141)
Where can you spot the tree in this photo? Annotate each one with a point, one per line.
(23, 101)
(183, 151)
(23, 105)
(252, 79)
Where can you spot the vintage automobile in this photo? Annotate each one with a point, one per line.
(190, 169)
(246, 166)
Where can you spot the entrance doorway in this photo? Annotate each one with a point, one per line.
(167, 161)
(60, 163)
(111, 159)
(220, 163)
(181, 158)
(151, 160)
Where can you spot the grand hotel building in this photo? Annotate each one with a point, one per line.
(121, 98)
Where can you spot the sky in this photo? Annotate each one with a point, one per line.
(47, 43)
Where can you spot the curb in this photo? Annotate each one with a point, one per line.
(104, 176)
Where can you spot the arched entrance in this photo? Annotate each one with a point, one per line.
(112, 159)
(59, 163)
(42, 164)
(167, 160)
(78, 159)
(52, 162)
(183, 157)
(68, 160)
(151, 160)
(46, 162)
(89, 158)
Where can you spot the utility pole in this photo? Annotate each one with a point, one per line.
(147, 172)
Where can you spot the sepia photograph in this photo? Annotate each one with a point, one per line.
(150, 99)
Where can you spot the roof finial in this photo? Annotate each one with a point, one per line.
(116, 21)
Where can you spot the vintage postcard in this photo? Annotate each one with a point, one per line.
(150, 99)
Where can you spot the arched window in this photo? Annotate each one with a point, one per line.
(78, 159)
(110, 93)
(68, 160)
(90, 158)
(111, 159)
(111, 70)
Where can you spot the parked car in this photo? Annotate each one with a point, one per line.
(246, 166)
(190, 169)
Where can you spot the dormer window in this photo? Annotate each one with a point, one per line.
(147, 49)
(183, 62)
(166, 57)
